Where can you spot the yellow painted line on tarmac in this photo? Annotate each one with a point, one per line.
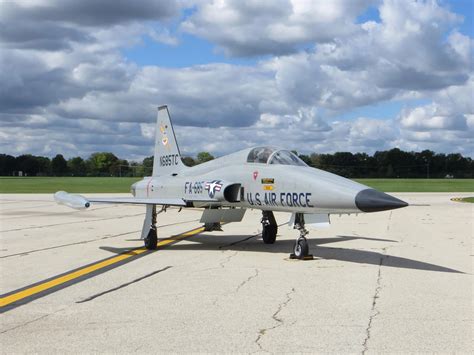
(75, 274)
(463, 199)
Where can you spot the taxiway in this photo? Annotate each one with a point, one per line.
(80, 281)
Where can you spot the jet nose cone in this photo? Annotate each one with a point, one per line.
(371, 200)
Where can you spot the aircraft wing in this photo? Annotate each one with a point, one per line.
(151, 201)
(140, 201)
(80, 202)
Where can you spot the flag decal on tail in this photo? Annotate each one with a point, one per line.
(164, 137)
(167, 159)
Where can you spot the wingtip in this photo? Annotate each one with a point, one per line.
(162, 107)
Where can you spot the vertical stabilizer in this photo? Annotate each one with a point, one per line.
(167, 159)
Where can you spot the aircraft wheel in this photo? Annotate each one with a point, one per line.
(269, 233)
(209, 227)
(151, 240)
(301, 248)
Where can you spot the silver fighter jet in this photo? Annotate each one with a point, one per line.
(265, 177)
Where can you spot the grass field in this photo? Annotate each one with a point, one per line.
(122, 185)
(69, 184)
(420, 185)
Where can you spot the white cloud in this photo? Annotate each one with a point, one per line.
(163, 36)
(259, 27)
(450, 110)
(430, 117)
(71, 87)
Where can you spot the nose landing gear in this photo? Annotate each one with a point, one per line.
(301, 247)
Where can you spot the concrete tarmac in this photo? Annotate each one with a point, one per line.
(396, 281)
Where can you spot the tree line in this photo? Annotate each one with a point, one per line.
(98, 164)
(393, 163)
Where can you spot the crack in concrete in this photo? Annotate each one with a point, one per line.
(226, 260)
(389, 219)
(138, 348)
(123, 285)
(32, 321)
(243, 283)
(262, 332)
(374, 311)
(239, 286)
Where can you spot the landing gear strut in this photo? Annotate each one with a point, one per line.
(301, 248)
(212, 226)
(269, 227)
(151, 240)
(209, 227)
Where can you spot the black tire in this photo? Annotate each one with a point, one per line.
(151, 240)
(269, 233)
(301, 248)
(210, 227)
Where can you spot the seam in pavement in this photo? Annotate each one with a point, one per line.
(124, 285)
(31, 207)
(61, 224)
(67, 245)
(47, 214)
(374, 311)
(87, 241)
(279, 321)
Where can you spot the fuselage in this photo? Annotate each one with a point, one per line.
(293, 187)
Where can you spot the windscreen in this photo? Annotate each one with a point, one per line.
(260, 155)
(285, 157)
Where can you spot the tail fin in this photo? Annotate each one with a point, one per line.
(167, 159)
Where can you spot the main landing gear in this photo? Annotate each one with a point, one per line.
(301, 248)
(210, 227)
(269, 227)
(151, 240)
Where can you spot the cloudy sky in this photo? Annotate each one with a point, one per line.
(317, 76)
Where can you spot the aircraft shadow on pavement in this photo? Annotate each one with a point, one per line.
(255, 244)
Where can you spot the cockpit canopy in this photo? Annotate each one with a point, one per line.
(272, 155)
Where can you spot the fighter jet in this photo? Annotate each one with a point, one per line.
(266, 178)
